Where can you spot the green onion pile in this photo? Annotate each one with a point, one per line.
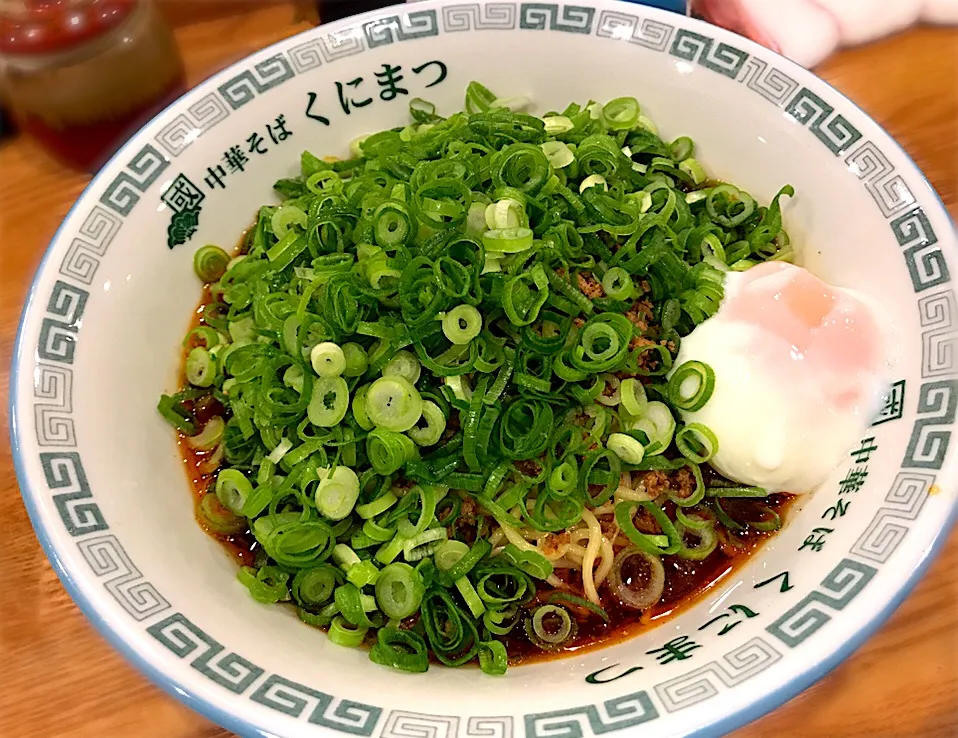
(439, 355)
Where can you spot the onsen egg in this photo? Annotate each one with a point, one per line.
(800, 368)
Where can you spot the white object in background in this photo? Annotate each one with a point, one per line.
(800, 29)
(861, 21)
(940, 11)
(808, 31)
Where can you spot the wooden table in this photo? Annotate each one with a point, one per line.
(61, 679)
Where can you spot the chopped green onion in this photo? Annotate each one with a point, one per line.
(233, 490)
(378, 506)
(691, 385)
(356, 360)
(626, 448)
(621, 113)
(328, 359)
(697, 443)
(218, 518)
(210, 437)
(508, 240)
(404, 364)
(754, 492)
(618, 284)
(634, 398)
(200, 368)
(449, 553)
(343, 633)
(314, 586)
(400, 649)
(337, 492)
(493, 658)
(393, 403)
(470, 597)
(435, 425)
(388, 451)
(329, 402)
(424, 544)
(506, 213)
(399, 591)
(695, 170)
(550, 627)
(209, 263)
(556, 125)
(571, 599)
(462, 324)
(465, 332)
(593, 180)
(558, 154)
(359, 408)
(644, 541)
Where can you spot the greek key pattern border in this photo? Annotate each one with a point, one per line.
(904, 503)
(611, 715)
(72, 498)
(180, 133)
(705, 682)
(479, 17)
(53, 409)
(124, 192)
(108, 560)
(813, 611)
(939, 337)
(94, 237)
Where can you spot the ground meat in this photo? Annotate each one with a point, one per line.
(452, 426)
(670, 345)
(649, 361)
(645, 286)
(639, 342)
(640, 314)
(589, 286)
(468, 510)
(655, 483)
(683, 482)
(464, 526)
(610, 528)
(578, 322)
(528, 467)
(553, 542)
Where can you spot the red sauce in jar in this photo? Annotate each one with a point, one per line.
(82, 76)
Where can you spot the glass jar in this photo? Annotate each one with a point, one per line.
(81, 75)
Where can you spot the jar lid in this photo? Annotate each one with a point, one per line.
(33, 27)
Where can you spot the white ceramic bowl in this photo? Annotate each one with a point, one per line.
(98, 343)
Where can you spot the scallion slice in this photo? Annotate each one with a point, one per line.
(462, 324)
(209, 263)
(328, 359)
(399, 591)
(393, 403)
(337, 491)
(329, 402)
(691, 385)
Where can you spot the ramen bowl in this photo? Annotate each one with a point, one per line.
(99, 341)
